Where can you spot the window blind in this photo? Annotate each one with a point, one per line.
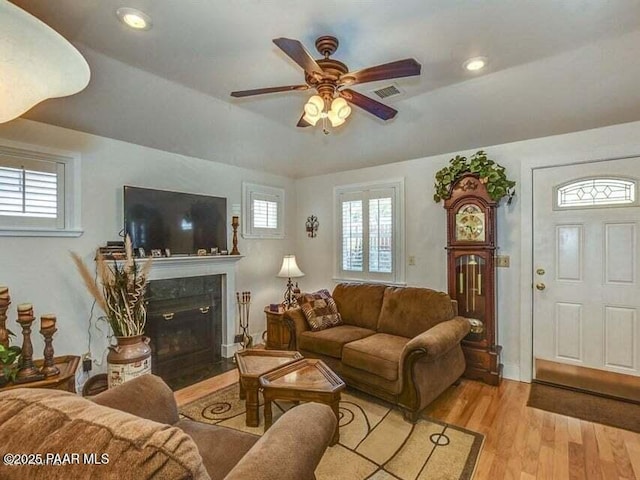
(29, 193)
(265, 214)
(381, 235)
(352, 236)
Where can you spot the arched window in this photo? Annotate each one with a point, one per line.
(597, 192)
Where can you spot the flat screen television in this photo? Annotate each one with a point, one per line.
(181, 222)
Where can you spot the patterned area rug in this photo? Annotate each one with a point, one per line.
(375, 442)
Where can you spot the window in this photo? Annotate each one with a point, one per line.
(37, 194)
(370, 244)
(263, 211)
(596, 192)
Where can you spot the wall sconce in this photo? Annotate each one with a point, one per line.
(312, 226)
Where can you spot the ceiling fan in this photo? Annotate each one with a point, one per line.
(330, 78)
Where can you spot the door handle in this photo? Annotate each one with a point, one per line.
(168, 316)
(540, 286)
(204, 310)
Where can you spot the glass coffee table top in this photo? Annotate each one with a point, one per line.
(256, 362)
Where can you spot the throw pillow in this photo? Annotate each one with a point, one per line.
(320, 310)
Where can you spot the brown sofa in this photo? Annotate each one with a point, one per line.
(150, 441)
(401, 344)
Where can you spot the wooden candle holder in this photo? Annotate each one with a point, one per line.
(28, 371)
(47, 329)
(5, 301)
(235, 223)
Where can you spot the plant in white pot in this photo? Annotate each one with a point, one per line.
(119, 292)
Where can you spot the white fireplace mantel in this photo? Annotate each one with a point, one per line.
(195, 266)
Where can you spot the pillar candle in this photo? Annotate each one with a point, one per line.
(47, 321)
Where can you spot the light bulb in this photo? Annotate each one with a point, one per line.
(475, 64)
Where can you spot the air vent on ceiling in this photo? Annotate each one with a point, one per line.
(387, 91)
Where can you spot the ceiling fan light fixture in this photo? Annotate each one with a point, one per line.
(311, 120)
(134, 18)
(475, 64)
(341, 108)
(313, 108)
(335, 120)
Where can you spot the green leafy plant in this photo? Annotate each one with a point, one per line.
(488, 171)
(9, 357)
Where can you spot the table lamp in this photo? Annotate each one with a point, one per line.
(289, 270)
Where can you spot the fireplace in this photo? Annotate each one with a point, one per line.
(184, 323)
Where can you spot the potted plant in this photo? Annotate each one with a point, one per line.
(488, 171)
(9, 357)
(120, 294)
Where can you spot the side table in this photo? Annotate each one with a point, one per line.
(278, 334)
(65, 380)
(251, 364)
(307, 380)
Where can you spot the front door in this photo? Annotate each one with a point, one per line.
(585, 274)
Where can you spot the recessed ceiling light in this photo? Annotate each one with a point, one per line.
(134, 18)
(476, 63)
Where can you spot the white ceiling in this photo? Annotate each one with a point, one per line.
(555, 67)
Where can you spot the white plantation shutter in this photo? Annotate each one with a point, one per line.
(265, 214)
(352, 230)
(263, 211)
(370, 232)
(31, 192)
(381, 234)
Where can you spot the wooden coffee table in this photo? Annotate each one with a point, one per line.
(251, 365)
(307, 380)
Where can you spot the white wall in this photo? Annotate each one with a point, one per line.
(40, 271)
(426, 228)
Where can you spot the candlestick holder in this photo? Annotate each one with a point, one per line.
(27, 372)
(235, 223)
(5, 301)
(47, 329)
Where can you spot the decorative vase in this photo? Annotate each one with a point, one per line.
(128, 359)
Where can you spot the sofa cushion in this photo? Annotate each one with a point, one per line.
(330, 341)
(209, 438)
(409, 311)
(36, 420)
(359, 304)
(320, 310)
(378, 354)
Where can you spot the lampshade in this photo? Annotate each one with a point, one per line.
(334, 119)
(36, 63)
(290, 268)
(341, 107)
(314, 107)
(311, 120)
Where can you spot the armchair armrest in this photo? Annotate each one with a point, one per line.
(292, 448)
(146, 396)
(296, 323)
(439, 339)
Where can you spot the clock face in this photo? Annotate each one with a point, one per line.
(470, 223)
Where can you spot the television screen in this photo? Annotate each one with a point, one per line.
(181, 222)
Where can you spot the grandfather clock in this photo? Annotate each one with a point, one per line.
(471, 248)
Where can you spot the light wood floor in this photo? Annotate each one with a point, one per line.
(520, 442)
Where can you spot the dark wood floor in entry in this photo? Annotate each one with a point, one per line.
(520, 442)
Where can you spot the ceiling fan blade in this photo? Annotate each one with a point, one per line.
(297, 52)
(260, 91)
(378, 109)
(302, 122)
(402, 68)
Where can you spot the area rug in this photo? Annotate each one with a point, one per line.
(375, 442)
(593, 408)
